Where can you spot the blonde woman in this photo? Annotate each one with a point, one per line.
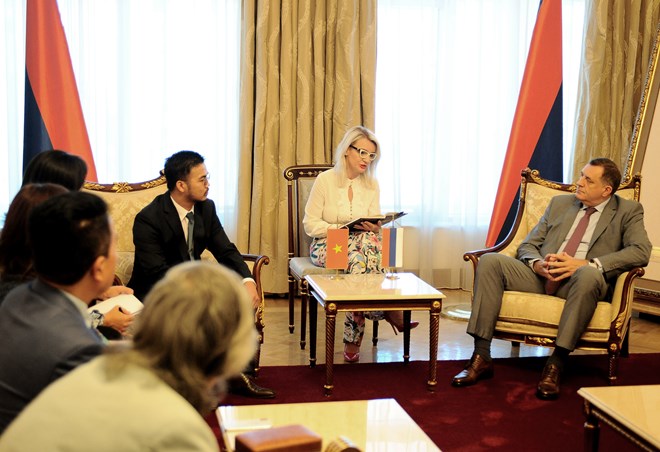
(195, 332)
(350, 190)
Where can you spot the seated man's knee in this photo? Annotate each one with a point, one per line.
(491, 260)
(588, 273)
(588, 277)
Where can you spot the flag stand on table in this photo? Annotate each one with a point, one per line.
(392, 251)
(337, 251)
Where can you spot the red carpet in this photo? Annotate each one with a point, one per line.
(498, 414)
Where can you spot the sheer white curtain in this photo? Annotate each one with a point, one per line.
(448, 77)
(154, 78)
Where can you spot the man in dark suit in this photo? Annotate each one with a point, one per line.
(44, 328)
(614, 241)
(162, 237)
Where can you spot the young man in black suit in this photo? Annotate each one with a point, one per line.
(45, 331)
(162, 238)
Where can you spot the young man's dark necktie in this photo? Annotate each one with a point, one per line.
(191, 227)
(571, 247)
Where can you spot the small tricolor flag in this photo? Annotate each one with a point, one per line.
(392, 247)
(53, 114)
(337, 249)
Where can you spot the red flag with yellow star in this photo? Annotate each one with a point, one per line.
(337, 252)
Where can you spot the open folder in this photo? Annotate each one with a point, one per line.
(126, 302)
(384, 219)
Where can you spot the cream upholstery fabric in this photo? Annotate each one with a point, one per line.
(124, 206)
(538, 314)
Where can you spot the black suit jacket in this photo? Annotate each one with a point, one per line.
(42, 337)
(160, 243)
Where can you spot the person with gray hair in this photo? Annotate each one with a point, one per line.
(350, 190)
(195, 332)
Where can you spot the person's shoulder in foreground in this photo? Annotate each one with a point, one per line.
(194, 332)
(133, 399)
(44, 328)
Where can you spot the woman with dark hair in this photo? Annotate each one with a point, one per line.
(56, 167)
(16, 255)
(195, 332)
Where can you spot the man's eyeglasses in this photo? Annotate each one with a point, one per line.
(364, 153)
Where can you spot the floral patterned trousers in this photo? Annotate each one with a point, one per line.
(364, 256)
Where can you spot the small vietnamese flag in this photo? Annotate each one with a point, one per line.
(337, 249)
(392, 251)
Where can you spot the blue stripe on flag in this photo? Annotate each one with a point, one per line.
(391, 259)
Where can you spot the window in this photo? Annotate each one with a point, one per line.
(447, 83)
(153, 77)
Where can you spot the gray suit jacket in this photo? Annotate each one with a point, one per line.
(619, 241)
(43, 336)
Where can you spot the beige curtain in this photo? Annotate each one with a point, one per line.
(307, 74)
(619, 37)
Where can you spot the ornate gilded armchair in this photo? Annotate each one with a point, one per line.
(125, 200)
(533, 318)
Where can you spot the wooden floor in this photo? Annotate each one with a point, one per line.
(283, 349)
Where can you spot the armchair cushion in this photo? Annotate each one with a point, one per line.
(303, 266)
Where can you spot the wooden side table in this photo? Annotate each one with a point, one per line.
(372, 292)
(633, 411)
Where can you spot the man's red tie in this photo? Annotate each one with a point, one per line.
(572, 246)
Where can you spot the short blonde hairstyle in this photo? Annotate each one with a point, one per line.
(197, 323)
(351, 136)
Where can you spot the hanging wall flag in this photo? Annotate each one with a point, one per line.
(392, 247)
(536, 132)
(337, 249)
(53, 114)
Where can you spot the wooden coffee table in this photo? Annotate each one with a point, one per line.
(633, 411)
(372, 292)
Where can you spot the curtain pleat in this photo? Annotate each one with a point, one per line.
(618, 41)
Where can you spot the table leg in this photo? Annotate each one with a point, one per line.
(406, 336)
(434, 327)
(304, 298)
(591, 429)
(330, 321)
(312, 330)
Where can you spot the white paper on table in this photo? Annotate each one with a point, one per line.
(127, 302)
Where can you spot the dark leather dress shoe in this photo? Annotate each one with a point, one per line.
(245, 386)
(548, 387)
(476, 369)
